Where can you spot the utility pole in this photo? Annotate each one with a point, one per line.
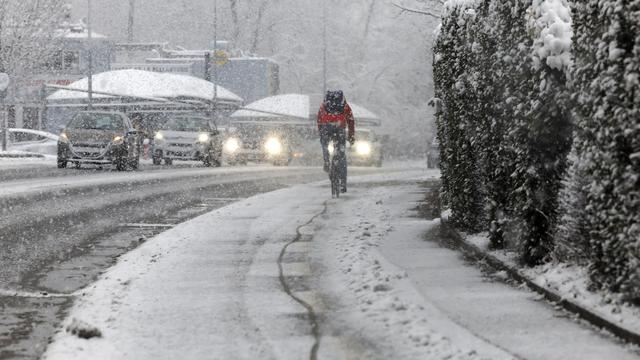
(132, 6)
(214, 63)
(324, 51)
(4, 84)
(90, 47)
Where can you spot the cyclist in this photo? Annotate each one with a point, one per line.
(334, 117)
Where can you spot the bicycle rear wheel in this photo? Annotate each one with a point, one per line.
(334, 178)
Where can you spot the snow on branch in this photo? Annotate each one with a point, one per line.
(417, 11)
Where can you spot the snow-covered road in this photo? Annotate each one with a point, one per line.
(359, 268)
(62, 228)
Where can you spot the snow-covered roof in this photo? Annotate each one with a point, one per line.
(145, 85)
(360, 112)
(288, 105)
(77, 31)
(296, 106)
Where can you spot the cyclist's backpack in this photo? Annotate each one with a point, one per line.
(334, 102)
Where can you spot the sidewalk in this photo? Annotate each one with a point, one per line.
(358, 267)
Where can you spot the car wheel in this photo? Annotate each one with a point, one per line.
(78, 165)
(168, 161)
(121, 164)
(62, 164)
(157, 161)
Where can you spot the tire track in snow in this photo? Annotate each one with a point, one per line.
(313, 317)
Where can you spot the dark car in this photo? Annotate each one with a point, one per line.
(259, 144)
(100, 138)
(367, 150)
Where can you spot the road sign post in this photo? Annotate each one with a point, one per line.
(4, 85)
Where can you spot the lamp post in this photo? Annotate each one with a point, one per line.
(90, 62)
(132, 6)
(214, 64)
(324, 50)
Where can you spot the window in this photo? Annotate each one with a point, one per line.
(87, 121)
(64, 60)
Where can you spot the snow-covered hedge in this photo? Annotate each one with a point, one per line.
(607, 91)
(501, 73)
(518, 94)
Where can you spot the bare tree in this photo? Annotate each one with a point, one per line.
(27, 28)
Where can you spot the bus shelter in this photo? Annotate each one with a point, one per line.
(147, 97)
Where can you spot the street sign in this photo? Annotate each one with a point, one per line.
(221, 57)
(4, 82)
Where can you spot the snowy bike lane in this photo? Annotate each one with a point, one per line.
(212, 288)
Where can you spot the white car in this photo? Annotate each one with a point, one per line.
(188, 138)
(32, 141)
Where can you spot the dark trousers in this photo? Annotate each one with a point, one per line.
(337, 135)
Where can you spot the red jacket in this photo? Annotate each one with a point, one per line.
(345, 119)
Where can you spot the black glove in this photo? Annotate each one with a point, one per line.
(352, 140)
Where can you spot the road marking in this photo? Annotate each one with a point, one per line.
(34, 295)
(141, 225)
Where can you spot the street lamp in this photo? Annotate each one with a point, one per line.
(324, 51)
(214, 64)
(90, 62)
(132, 4)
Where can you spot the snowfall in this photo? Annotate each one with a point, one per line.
(293, 272)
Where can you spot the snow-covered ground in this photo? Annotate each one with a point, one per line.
(14, 159)
(571, 282)
(212, 288)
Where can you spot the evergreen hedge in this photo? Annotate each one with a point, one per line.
(518, 96)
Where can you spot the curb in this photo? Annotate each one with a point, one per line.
(20, 156)
(586, 314)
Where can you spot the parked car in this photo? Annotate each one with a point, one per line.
(258, 144)
(101, 138)
(433, 157)
(188, 138)
(31, 141)
(367, 150)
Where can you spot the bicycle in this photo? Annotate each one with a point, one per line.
(334, 173)
(335, 176)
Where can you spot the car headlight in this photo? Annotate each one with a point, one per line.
(118, 140)
(203, 138)
(273, 146)
(63, 138)
(159, 136)
(231, 145)
(363, 148)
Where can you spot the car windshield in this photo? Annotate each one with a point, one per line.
(187, 124)
(97, 122)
